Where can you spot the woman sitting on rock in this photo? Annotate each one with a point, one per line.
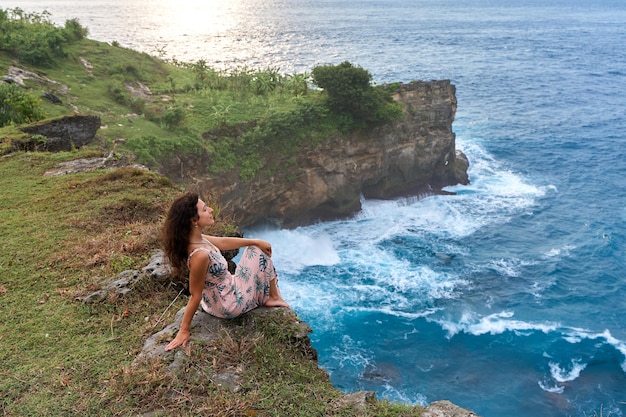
(211, 285)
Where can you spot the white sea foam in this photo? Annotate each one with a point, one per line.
(498, 323)
(511, 267)
(559, 252)
(392, 311)
(390, 391)
(295, 249)
(575, 335)
(556, 389)
(351, 356)
(566, 374)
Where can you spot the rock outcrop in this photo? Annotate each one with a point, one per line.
(60, 134)
(412, 156)
(74, 166)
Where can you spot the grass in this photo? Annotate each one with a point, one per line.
(56, 240)
(60, 236)
(186, 101)
(63, 236)
(158, 111)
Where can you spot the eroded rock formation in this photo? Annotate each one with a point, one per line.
(412, 156)
(60, 134)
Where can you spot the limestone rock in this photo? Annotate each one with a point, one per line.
(120, 285)
(19, 75)
(158, 269)
(358, 400)
(412, 156)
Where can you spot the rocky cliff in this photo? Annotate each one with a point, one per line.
(414, 155)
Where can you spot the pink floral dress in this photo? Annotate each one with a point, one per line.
(229, 295)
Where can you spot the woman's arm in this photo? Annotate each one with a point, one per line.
(228, 243)
(198, 265)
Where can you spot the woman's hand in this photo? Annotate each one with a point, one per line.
(181, 339)
(266, 247)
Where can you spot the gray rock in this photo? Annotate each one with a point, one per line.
(357, 400)
(51, 98)
(91, 164)
(60, 134)
(445, 408)
(95, 297)
(158, 269)
(123, 284)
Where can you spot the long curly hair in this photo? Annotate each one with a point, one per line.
(176, 229)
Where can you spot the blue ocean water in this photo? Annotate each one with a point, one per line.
(509, 298)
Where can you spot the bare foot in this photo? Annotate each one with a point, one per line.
(276, 299)
(276, 302)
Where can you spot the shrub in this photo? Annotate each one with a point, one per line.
(118, 92)
(264, 82)
(349, 92)
(18, 106)
(74, 31)
(138, 105)
(279, 134)
(127, 72)
(173, 117)
(33, 39)
(151, 150)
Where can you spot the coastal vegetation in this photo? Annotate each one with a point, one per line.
(161, 109)
(62, 236)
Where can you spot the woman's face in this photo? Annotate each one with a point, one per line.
(205, 214)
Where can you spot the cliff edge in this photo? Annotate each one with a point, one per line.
(411, 156)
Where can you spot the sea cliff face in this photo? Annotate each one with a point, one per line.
(411, 156)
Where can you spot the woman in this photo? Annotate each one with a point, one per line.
(211, 285)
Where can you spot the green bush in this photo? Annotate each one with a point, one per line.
(344, 84)
(33, 39)
(18, 106)
(118, 92)
(349, 92)
(126, 72)
(279, 134)
(173, 117)
(264, 82)
(74, 31)
(151, 150)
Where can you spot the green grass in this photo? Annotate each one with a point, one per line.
(224, 100)
(186, 103)
(60, 236)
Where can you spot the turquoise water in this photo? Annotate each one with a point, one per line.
(508, 298)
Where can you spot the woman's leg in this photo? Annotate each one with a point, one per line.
(257, 271)
(275, 300)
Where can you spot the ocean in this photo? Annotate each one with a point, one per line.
(508, 298)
